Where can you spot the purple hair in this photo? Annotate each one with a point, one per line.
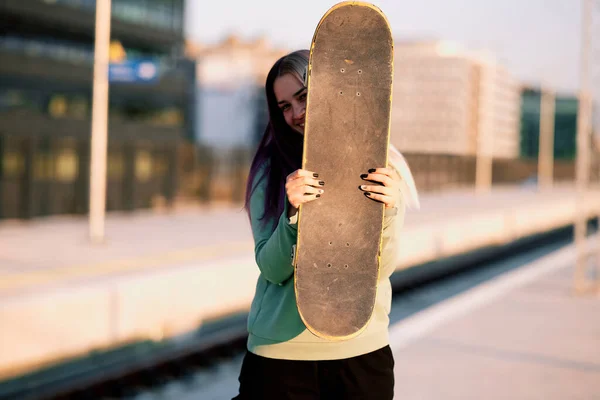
(280, 150)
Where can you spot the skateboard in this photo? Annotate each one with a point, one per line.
(347, 123)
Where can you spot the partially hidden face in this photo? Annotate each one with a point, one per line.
(291, 99)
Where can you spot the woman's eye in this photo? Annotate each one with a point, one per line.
(283, 108)
(302, 97)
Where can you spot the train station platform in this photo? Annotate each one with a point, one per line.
(525, 335)
(161, 274)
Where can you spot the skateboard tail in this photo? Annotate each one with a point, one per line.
(312, 46)
(346, 4)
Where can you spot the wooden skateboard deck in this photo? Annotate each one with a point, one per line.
(347, 123)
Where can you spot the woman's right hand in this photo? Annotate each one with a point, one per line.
(301, 186)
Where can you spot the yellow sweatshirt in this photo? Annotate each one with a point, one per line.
(274, 324)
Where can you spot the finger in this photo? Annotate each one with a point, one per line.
(313, 190)
(387, 200)
(304, 180)
(301, 181)
(298, 199)
(384, 190)
(306, 189)
(301, 173)
(391, 172)
(310, 197)
(377, 177)
(298, 192)
(384, 171)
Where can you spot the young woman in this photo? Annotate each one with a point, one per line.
(284, 360)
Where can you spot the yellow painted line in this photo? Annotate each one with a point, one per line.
(55, 275)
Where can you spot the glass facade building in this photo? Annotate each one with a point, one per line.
(565, 124)
(47, 52)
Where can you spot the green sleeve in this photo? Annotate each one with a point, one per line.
(272, 244)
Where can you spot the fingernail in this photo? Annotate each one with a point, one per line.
(363, 176)
(368, 194)
(321, 190)
(318, 195)
(316, 175)
(372, 170)
(363, 187)
(321, 183)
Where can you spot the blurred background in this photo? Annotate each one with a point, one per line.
(188, 132)
(476, 85)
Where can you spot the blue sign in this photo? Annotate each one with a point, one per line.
(139, 71)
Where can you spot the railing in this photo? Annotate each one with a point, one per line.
(48, 174)
(208, 175)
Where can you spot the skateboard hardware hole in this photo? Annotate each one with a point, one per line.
(347, 244)
(341, 92)
(358, 93)
(342, 70)
(346, 266)
(329, 265)
(330, 243)
(360, 71)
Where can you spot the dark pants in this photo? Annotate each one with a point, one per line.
(369, 376)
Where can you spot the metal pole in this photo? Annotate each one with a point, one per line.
(483, 173)
(584, 115)
(484, 155)
(597, 187)
(597, 152)
(595, 163)
(99, 122)
(546, 147)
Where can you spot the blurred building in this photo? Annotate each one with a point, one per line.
(449, 101)
(231, 102)
(47, 52)
(565, 124)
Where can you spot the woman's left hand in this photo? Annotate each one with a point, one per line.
(388, 194)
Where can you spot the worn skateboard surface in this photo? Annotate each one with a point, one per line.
(346, 133)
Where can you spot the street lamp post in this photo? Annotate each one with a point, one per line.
(485, 135)
(584, 115)
(99, 122)
(546, 142)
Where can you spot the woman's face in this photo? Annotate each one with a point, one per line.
(291, 100)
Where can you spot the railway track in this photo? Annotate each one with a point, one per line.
(146, 367)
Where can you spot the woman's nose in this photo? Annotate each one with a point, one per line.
(299, 111)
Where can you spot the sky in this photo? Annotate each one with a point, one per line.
(537, 40)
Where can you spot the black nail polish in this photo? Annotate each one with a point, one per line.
(363, 176)
(372, 170)
(318, 195)
(321, 183)
(368, 194)
(316, 175)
